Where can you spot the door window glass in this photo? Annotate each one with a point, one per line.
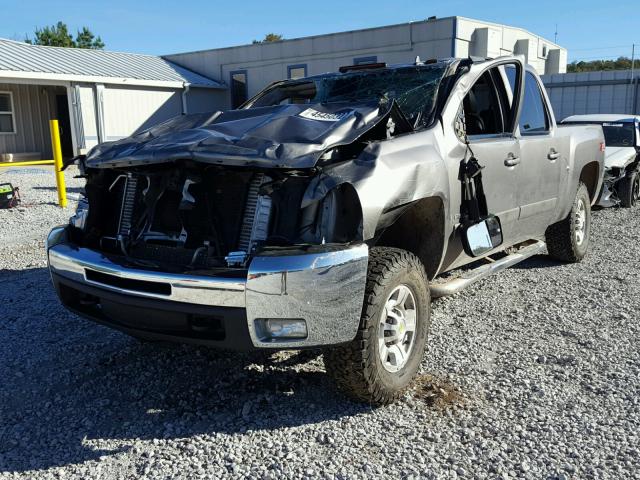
(486, 107)
(533, 116)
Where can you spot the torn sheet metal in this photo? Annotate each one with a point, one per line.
(387, 177)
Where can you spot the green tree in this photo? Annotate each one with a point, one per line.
(621, 63)
(86, 39)
(54, 36)
(270, 37)
(58, 36)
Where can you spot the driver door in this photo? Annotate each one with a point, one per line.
(489, 118)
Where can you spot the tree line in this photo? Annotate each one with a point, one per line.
(58, 35)
(621, 63)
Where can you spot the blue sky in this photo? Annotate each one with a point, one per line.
(588, 28)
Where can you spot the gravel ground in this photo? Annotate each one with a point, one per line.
(533, 373)
(39, 209)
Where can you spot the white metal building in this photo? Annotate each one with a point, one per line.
(249, 68)
(96, 96)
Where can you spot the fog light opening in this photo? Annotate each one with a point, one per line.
(281, 329)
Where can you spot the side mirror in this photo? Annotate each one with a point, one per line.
(483, 236)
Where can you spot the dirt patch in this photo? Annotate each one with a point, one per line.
(437, 392)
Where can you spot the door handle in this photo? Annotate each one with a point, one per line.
(553, 155)
(511, 160)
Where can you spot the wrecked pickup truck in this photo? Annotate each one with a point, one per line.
(322, 212)
(621, 183)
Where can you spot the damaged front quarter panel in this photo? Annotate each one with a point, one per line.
(387, 177)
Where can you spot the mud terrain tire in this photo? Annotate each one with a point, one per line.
(357, 367)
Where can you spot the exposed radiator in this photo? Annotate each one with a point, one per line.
(255, 221)
(128, 203)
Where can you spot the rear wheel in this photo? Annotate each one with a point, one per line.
(568, 240)
(628, 190)
(378, 365)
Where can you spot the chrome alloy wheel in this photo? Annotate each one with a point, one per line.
(397, 328)
(635, 189)
(580, 222)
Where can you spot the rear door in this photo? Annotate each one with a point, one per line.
(542, 159)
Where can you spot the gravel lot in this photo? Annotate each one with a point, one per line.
(533, 373)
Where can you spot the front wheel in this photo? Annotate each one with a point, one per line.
(628, 189)
(378, 365)
(568, 239)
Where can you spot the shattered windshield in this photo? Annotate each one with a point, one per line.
(618, 134)
(413, 88)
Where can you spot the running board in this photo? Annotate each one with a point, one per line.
(467, 278)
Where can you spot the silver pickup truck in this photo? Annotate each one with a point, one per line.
(325, 211)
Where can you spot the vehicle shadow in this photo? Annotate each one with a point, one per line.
(74, 391)
(537, 261)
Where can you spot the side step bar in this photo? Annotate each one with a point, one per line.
(467, 278)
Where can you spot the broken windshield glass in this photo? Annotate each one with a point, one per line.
(413, 88)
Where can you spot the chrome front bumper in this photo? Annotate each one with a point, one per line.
(323, 285)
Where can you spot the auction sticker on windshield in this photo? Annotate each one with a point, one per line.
(312, 114)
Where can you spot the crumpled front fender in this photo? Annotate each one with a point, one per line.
(387, 176)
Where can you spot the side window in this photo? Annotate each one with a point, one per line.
(533, 116)
(238, 88)
(7, 120)
(486, 107)
(511, 76)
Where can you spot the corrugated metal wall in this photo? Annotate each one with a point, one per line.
(593, 92)
(34, 106)
(129, 109)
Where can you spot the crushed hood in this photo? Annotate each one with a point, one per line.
(282, 136)
(619, 157)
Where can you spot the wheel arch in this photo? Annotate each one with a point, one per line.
(419, 229)
(591, 175)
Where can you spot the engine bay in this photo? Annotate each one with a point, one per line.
(191, 217)
(188, 216)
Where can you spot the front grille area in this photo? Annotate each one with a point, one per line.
(187, 218)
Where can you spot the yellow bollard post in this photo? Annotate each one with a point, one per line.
(57, 162)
